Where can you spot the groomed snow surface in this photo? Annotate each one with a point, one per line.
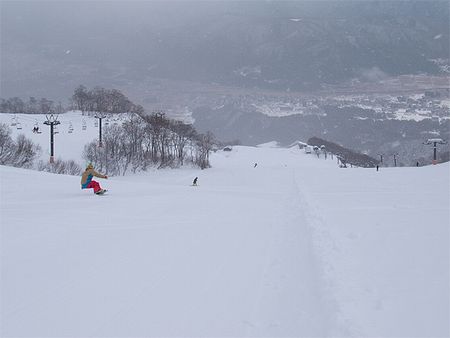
(292, 247)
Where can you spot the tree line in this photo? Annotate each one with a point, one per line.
(142, 141)
(20, 153)
(345, 155)
(147, 141)
(98, 99)
(15, 105)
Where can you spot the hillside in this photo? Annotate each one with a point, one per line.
(369, 75)
(292, 247)
(300, 45)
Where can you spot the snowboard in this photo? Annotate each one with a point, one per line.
(101, 192)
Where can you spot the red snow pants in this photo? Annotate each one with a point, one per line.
(95, 185)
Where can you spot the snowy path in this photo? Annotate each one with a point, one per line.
(294, 247)
(231, 257)
(383, 239)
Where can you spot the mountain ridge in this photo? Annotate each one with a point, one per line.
(278, 45)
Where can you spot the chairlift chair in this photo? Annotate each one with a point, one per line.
(13, 122)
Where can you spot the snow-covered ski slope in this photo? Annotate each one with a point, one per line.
(294, 247)
(68, 144)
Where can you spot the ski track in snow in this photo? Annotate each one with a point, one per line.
(250, 252)
(243, 268)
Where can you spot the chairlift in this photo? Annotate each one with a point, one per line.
(55, 130)
(13, 121)
(83, 125)
(19, 126)
(35, 128)
(96, 123)
(70, 128)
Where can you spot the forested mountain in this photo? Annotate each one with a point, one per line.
(299, 45)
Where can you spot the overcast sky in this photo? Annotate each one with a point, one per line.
(43, 42)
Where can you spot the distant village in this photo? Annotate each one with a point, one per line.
(433, 105)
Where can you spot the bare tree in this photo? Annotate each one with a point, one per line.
(60, 167)
(182, 134)
(25, 152)
(46, 106)
(205, 144)
(146, 140)
(20, 153)
(32, 106)
(80, 98)
(6, 144)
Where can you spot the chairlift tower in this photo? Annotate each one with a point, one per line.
(381, 158)
(100, 117)
(322, 147)
(435, 142)
(395, 159)
(52, 121)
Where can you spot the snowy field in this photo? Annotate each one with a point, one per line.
(294, 247)
(67, 145)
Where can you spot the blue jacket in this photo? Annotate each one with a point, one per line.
(87, 176)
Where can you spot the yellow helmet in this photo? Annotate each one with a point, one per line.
(90, 166)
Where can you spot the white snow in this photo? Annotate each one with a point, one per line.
(271, 144)
(67, 146)
(417, 115)
(277, 109)
(294, 247)
(445, 103)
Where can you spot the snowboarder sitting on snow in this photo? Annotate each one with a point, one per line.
(88, 183)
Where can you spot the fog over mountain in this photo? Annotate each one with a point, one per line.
(255, 71)
(52, 46)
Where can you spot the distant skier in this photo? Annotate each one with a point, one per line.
(88, 183)
(195, 181)
(256, 164)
